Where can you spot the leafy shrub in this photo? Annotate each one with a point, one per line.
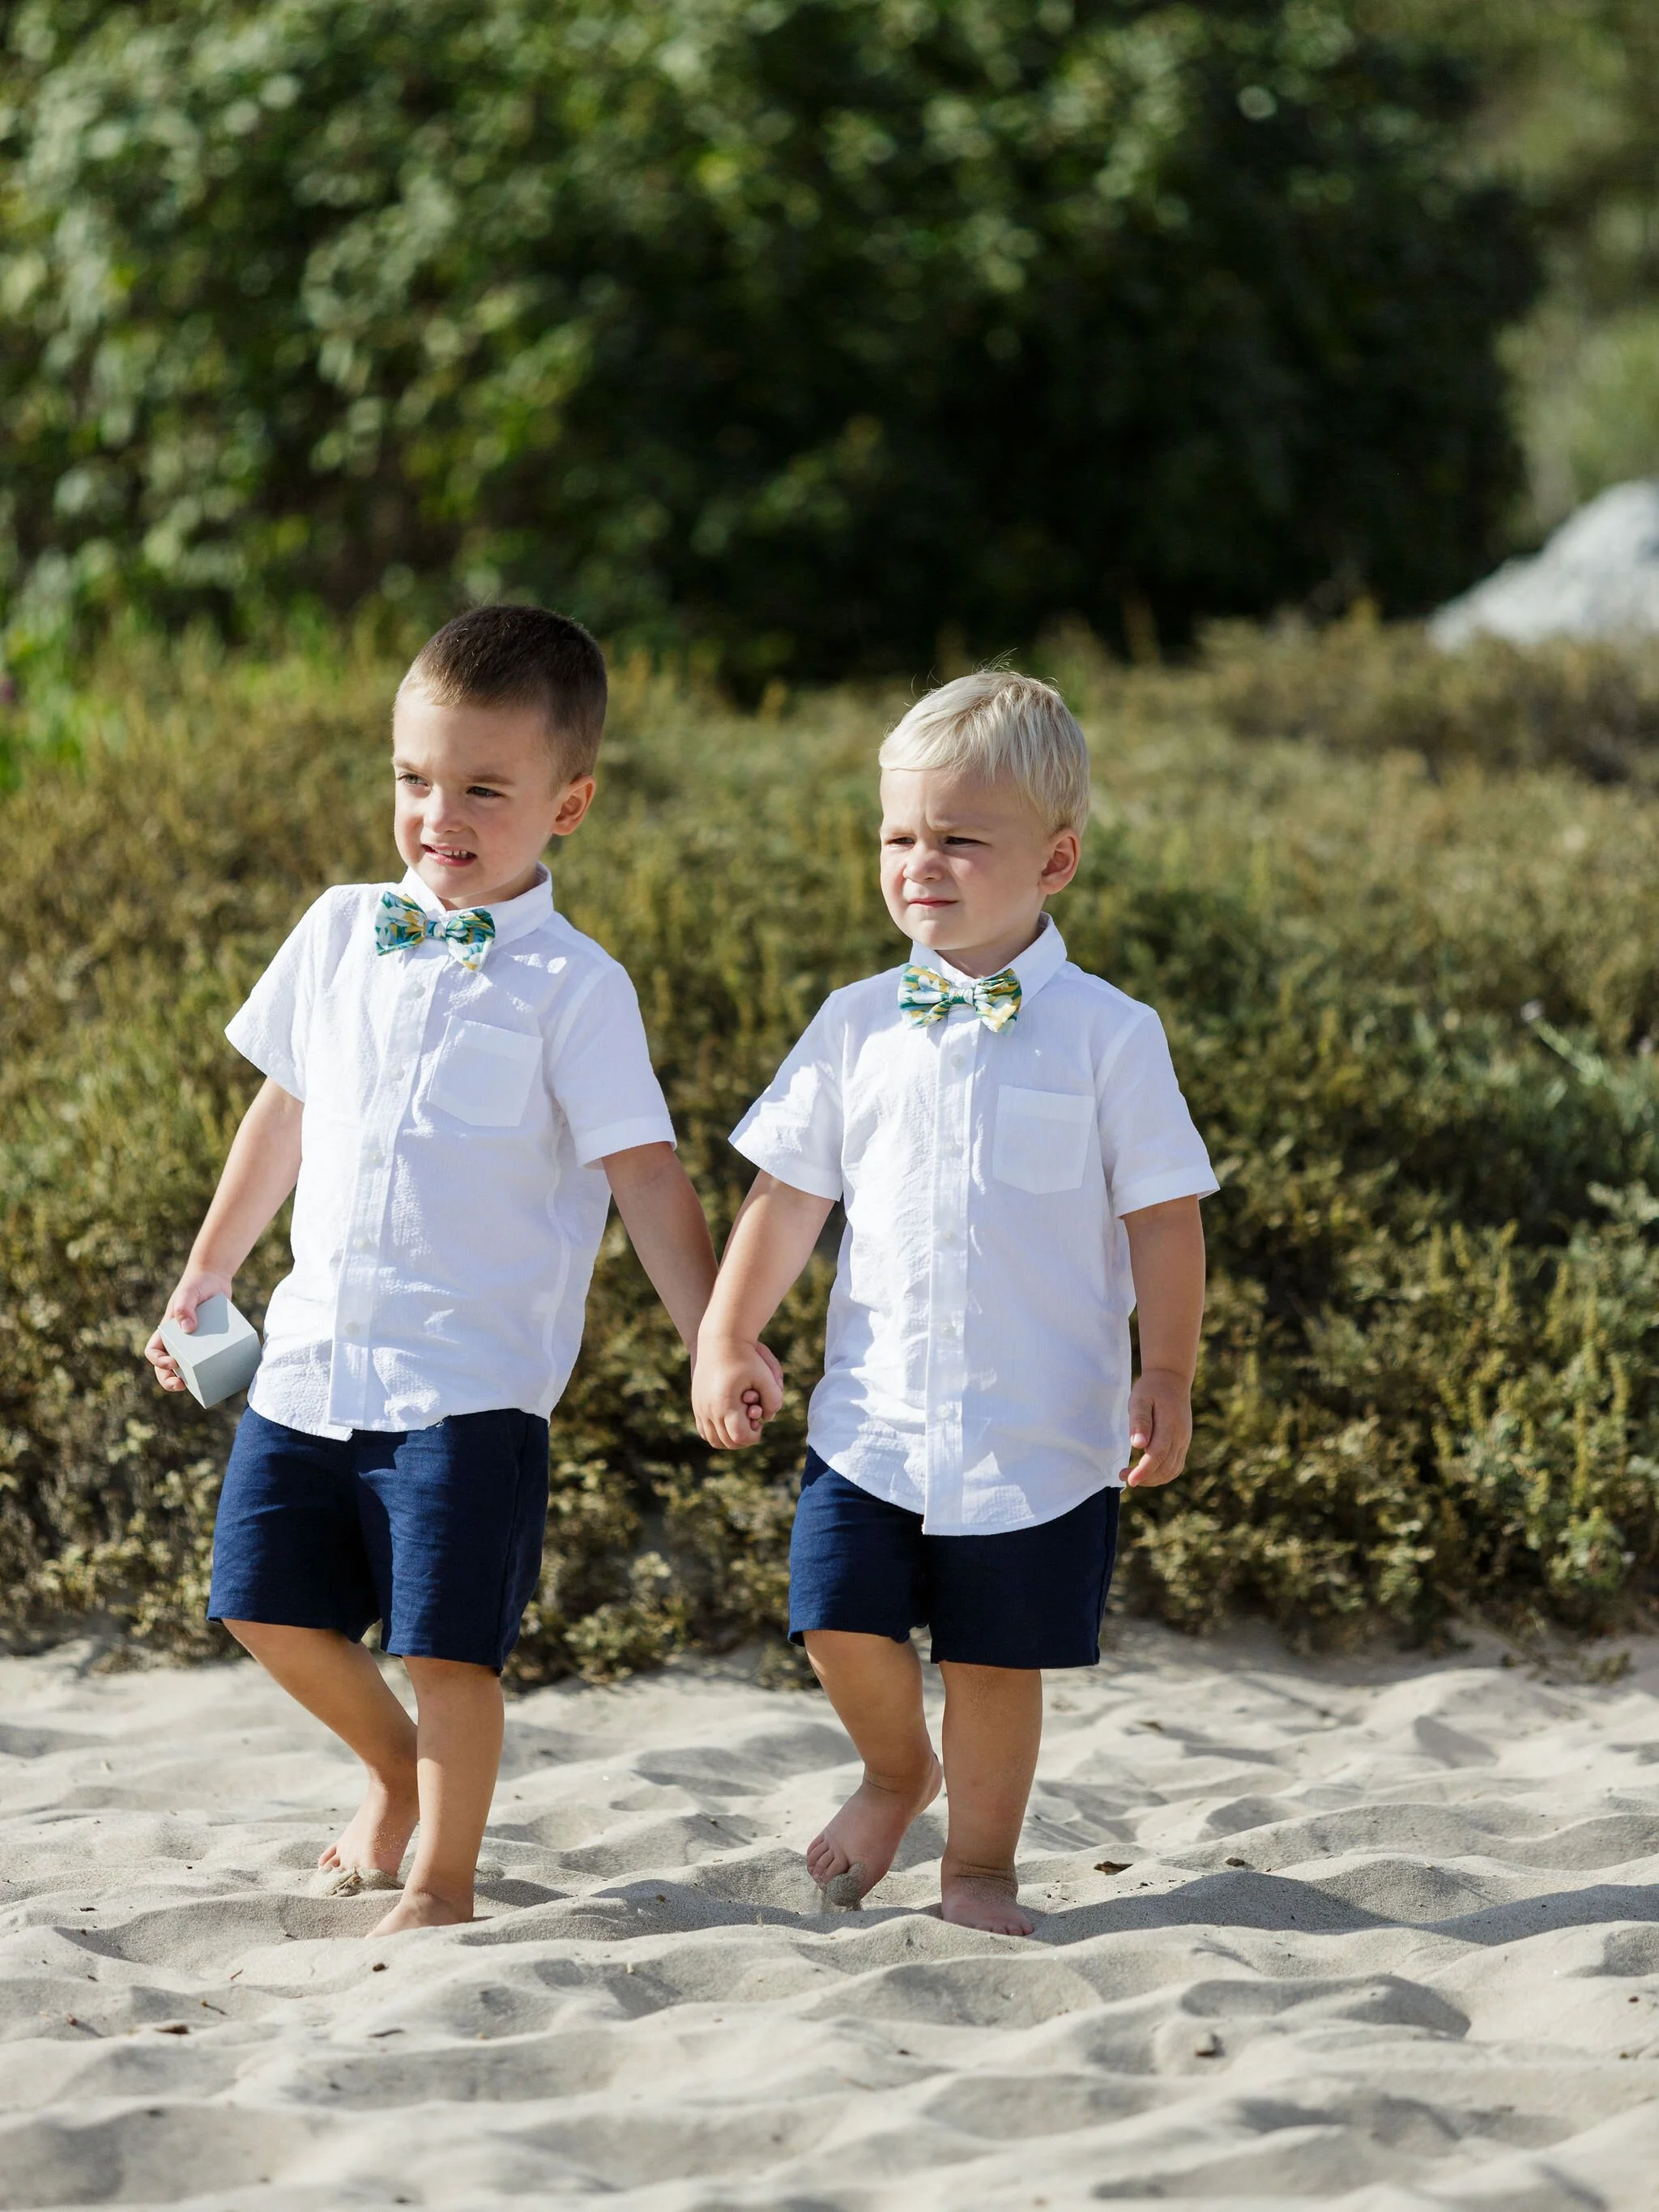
(1569, 110)
(1414, 1015)
(804, 328)
(1368, 688)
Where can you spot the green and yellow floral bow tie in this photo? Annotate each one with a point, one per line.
(465, 936)
(927, 996)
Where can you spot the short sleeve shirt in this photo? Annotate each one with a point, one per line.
(976, 1358)
(449, 1206)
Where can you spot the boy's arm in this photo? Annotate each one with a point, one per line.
(665, 1223)
(771, 1241)
(1166, 1254)
(261, 1169)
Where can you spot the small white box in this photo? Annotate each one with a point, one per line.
(219, 1357)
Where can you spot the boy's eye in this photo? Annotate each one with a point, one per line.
(481, 790)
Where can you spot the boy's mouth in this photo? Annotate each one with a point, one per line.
(449, 856)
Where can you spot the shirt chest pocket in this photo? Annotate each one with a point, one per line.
(1042, 1138)
(483, 1074)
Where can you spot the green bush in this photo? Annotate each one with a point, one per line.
(1414, 1011)
(1367, 687)
(1567, 112)
(806, 329)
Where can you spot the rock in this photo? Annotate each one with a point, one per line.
(1598, 576)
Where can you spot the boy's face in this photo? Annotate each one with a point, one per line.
(966, 864)
(478, 798)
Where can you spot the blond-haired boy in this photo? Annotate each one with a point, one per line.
(1019, 1172)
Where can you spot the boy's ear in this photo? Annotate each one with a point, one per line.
(577, 798)
(1064, 853)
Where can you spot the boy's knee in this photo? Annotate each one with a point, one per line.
(1008, 1688)
(833, 1644)
(250, 1634)
(847, 1662)
(446, 1673)
(262, 1638)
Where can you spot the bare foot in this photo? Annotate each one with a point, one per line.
(857, 1847)
(422, 1908)
(989, 1901)
(378, 1833)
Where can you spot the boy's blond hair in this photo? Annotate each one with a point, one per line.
(1004, 728)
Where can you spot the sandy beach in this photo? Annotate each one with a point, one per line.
(1376, 1933)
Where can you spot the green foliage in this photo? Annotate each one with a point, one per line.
(1413, 1005)
(802, 328)
(1366, 688)
(1567, 117)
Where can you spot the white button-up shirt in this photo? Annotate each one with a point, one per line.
(976, 1359)
(448, 1209)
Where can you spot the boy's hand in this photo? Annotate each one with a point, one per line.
(193, 1288)
(1160, 1427)
(736, 1388)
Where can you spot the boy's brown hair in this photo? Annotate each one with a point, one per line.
(513, 656)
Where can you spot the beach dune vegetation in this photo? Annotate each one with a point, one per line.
(1405, 951)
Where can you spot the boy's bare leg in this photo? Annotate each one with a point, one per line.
(993, 1729)
(875, 1686)
(339, 1681)
(459, 1754)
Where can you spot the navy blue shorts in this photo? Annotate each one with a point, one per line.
(435, 1533)
(1025, 1597)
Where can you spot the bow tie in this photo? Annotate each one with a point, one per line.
(927, 996)
(465, 936)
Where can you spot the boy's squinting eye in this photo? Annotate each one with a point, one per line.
(482, 791)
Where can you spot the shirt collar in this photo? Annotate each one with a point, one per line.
(513, 917)
(1040, 963)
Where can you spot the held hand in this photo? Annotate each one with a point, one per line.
(758, 1409)
(1160, 1428)
(195, 1285)
(776, 1366)
(736, 1390)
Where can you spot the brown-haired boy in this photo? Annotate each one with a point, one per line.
(458, 1083)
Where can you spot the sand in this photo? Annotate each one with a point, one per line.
(1378, 1934)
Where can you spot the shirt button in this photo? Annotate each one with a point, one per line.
(375, 1159)
(398, 1074)
(363, 1244)
(354, 1328)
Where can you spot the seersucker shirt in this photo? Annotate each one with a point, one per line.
(448, 1209)
(977, 1356)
